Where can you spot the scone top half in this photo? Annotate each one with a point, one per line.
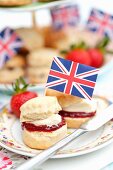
(39, 108)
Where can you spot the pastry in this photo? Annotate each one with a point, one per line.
(51, 36)
(31, 37)
(39, 62)
(37, 75)
(73, 36)
(75, 110)
(41, 123)
(14, 2)
(16, 61)
(9, 75)
(42, 57)
(62, 39)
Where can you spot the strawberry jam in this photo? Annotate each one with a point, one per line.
(76, 114)
(42, 128)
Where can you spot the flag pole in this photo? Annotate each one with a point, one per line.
(34, 24)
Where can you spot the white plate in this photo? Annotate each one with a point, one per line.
(35, 6)
(10, 137)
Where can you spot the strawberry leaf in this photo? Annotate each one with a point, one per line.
(19, 86)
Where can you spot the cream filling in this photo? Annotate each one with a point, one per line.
(55, 119)
(83, 106)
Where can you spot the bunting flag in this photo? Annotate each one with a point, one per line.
(10, 43)
(72, 78)
(65, 16)
(101, 23)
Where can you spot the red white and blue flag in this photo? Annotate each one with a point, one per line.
(101, 23)
(72, 78)
(10, 43)
(65, 16)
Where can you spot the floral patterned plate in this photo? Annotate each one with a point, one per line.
(10, 136)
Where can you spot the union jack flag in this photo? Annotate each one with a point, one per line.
(65, 16)
(101, 23)
(72, 78)
(10, 44)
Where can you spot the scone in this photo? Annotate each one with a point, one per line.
(41, 124)
(37, 75)
(42, 57)
(76, 35)
(14, 2)
(75, 110)
(39, 62)
(63, 39)
(10, 75)
(32, 39)
(51, 36)
(16, 61)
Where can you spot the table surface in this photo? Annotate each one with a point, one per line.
(95, 160)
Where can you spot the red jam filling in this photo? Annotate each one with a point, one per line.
(42, 128)
(76, 114)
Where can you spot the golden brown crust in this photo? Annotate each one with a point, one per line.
(75, 122)
(38, 75)
(16, 61)
(8, 76)
(51, 36)
(39, 108)
(31, 37)
(43, 140)
(42, 57)
(63, 39)
(14, 2)
(64, 99)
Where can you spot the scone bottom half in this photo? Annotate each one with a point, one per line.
(42, 125)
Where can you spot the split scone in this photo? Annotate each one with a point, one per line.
(75, 110)
(41, 123)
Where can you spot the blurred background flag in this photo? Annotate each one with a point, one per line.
(72, 78)
(65, 16)
(101, 23)
(10, 43)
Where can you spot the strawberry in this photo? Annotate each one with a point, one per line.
(96, 56)
(84, 54)
(97, 53)
(21, 95)
(80, 56)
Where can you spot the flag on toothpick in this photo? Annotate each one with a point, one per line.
(65, 16)
(10, 43)
(101, 23)
(72, 78)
